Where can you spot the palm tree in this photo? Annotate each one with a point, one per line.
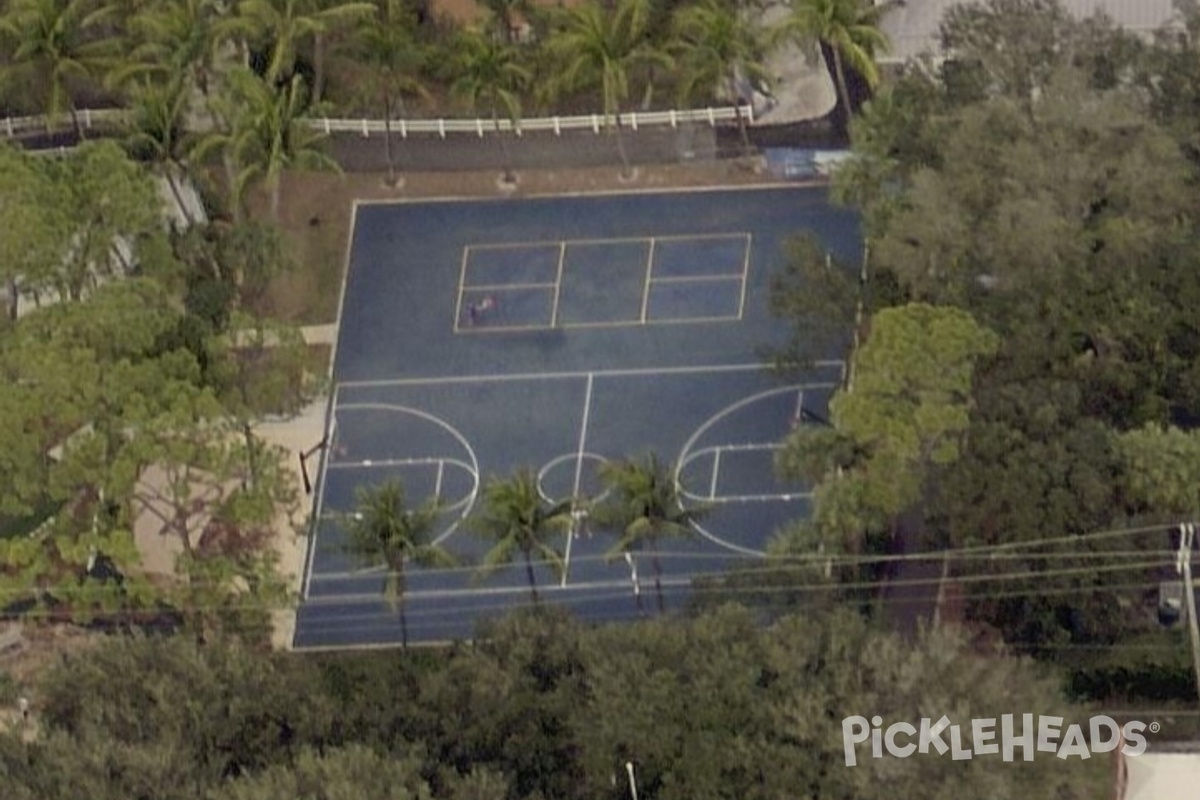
(157, 132)
(719, 48)
(51, 45)
(646, 507)
(848, 28)
(384, 42)
(385, 531)
(287, 23)
(178, 40)
(490, 72)
(600, 48)
(504, 15)
(267, 135)
(519, 520)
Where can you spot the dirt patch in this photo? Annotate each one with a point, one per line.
(317, 208)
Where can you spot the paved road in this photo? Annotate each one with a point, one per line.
(541, 150)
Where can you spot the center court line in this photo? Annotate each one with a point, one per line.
(610, 373)
(558, 279)
(649, 280)
(583, 428)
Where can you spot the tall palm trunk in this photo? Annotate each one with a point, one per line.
(392, 178)
(626, 168)
(236, 201)
(531, 578)
(839, 73)
(251, 453)
(168, 173)
(658, 592)
(509, 177)
(276, 182)
(743, 129)
(399, 594)
(318, 67)
(14, 298)
(741, 123)
(403, 624)
(75, 120)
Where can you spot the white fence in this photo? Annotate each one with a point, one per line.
(88, 118)
(481, 127)
(634, 120)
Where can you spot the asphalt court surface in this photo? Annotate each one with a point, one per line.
(477, 337)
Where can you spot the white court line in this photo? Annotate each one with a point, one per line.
(668, 581)
(583, 428)
(402, 462)
(502, 287)
(462, 282)
(469, 501)
(616, 323)
(745, 277)
(687, 454)
(319, 488)
(786, 497)
(608, 240)
(499, 329)
(513, 377)
(548, 243)
(649, 279)
(716, 471)
(530, 245)
(732, 276)
(558, 280)
(687, 237)
(688, 320)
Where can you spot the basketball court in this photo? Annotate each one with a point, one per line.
(479, 337)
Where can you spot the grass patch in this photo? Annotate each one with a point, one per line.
(315, 217)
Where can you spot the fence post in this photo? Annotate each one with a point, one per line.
(479, 126)
(674, 119)
(403, 129)
(595, 124)
(633, 120)
(9, 124)
(749, 111)
(442, 127)
(557, 127)
(87, 118)
(366, 132)
(327, 129)
(712, 118)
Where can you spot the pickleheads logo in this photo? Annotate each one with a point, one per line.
(1046, 735)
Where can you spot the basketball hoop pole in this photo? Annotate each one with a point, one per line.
(304, 456)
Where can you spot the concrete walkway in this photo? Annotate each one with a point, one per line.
(320, 334)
